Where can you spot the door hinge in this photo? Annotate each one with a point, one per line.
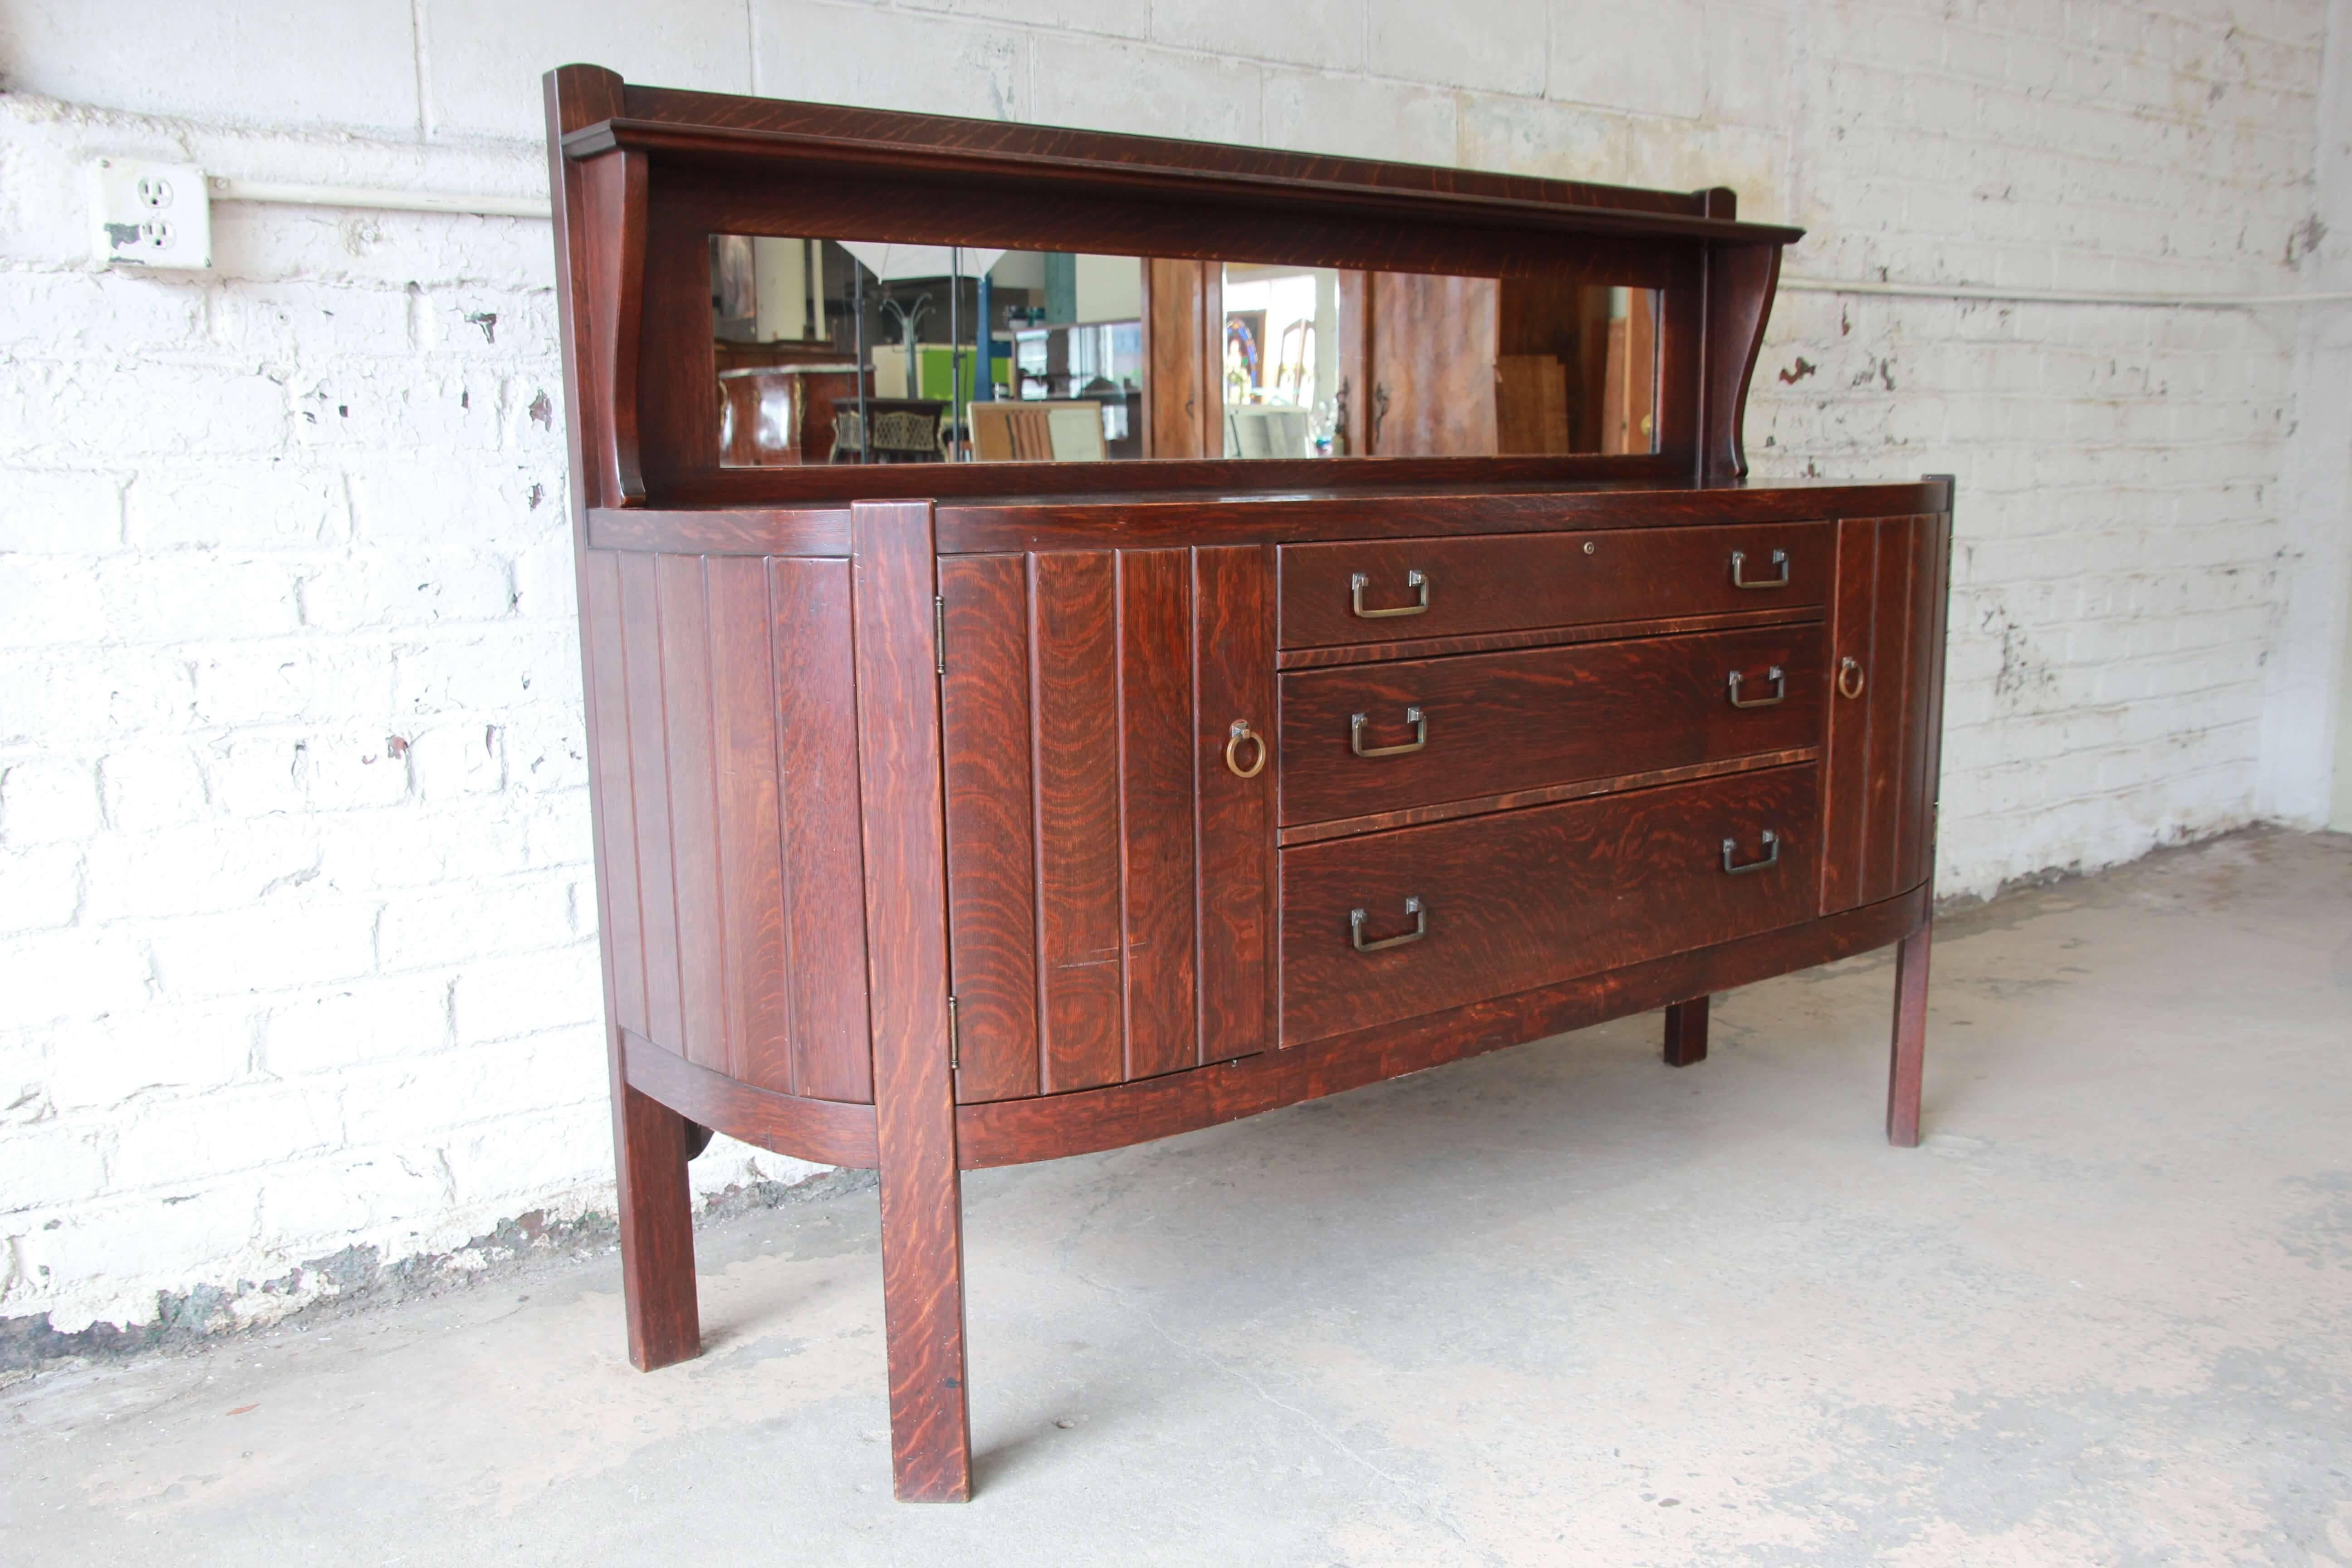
(955, 1045)
(940, 630)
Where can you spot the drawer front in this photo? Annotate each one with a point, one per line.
(1489, 723)
(1500, 583)
(1520, 898)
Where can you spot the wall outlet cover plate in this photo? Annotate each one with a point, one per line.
(150, 215)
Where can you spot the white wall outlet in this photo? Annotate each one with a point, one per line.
(150, 215)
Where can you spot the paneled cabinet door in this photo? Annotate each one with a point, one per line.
(1886, 673)
(1108, 716)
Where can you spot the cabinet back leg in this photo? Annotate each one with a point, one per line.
(1687, 1032)
(656, 1232)
(1910, 1047)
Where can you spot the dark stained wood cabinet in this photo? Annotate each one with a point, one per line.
(957, 814)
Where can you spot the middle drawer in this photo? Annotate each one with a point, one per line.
(1365, 738)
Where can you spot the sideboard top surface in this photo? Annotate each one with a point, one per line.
(1266, 515)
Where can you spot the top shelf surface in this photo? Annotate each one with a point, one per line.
(719, 127)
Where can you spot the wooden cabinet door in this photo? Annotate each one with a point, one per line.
(1432, 365)
(1111, 879)
(1185, 377)
(1887, 698)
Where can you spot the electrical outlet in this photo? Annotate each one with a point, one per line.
(150, 215)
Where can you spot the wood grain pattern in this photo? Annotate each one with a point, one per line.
(991, 848)
(1582, 789)
(641, 680)
(862, 173)
(814, 840)
(1434, 346)
(1074, 607)
(1184, 384)
(907, 968)
(754, 960)
(817, 761)
(612, 194)
(754, 532)
(1889, 696)
(1282, 512)
(684, 643)
(1501, 723)
(755, 124)
(1879, 782)
(1232, 653)
(1742, 281)
(1906, 1067)
(827, 1132)
(1506, 583)
(1077, 735)
(614, 813)
(656, 1223)
(1685, 1032)
(1922, 705)
(1525, 899)
(1155, 770)
(1013, 1132)
(654, 1206)
(1538, 637)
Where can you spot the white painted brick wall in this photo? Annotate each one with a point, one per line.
(295, 896)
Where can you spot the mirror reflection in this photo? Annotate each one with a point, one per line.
(857, 351)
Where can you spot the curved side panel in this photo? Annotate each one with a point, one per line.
(1740, 283)
(612, 210)
(827, 1132)
(1013, 1131)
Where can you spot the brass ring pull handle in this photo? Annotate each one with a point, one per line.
(1242, 731)
(1849, 678)
(1738, 566)
(1419, 929)
(1771, 842)
(1413, 716)
(1780, 690)
(1359, 581)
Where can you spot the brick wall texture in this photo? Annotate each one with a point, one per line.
(296, 905)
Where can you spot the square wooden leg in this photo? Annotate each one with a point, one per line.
(656, 1232)
(922, 1314)
(893, 580)
(1687, 1032)
(1910, 1047)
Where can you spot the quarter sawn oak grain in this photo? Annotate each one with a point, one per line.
(951, 815)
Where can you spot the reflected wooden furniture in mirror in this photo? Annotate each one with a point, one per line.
(1088, 636)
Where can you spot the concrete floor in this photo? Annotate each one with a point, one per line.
(1560, 1305)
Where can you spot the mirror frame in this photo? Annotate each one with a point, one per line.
(644, 176)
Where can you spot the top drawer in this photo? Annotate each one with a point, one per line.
(1397, 590)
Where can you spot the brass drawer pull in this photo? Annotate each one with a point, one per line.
(1780, 690)
(1419, 929)
(1849, 669)
(1740, 562)
(1242, 731)
(1358, 583)
(1771, 842)
(1413, 716)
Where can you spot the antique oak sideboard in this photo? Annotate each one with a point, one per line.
(954, 814)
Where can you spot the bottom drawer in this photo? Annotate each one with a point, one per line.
(1522, 899)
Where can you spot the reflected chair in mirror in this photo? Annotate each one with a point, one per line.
(1060, 431)
(1268, 430)
(906, 430)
